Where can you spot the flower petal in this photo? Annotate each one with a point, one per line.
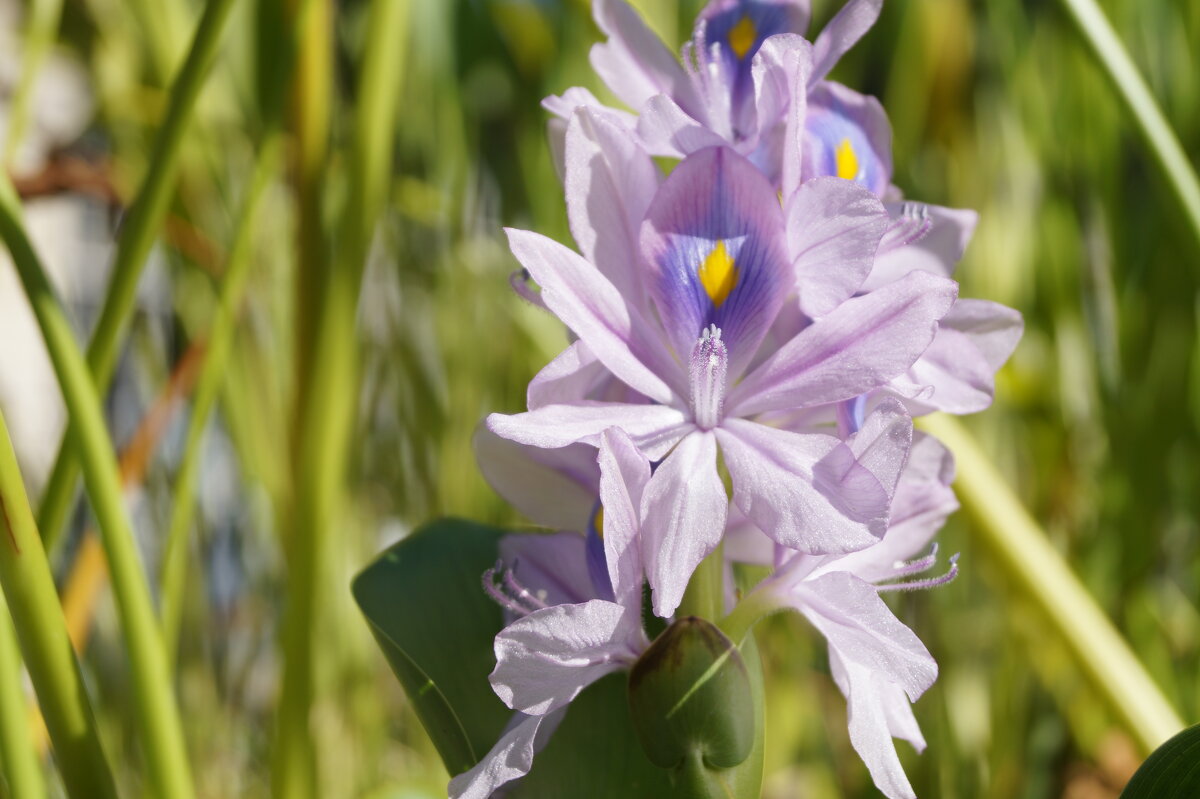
(634, 63)
(552, 487)
(938, 251)
(546, 658)
(860, 345)
(804, 491)
(667, 130)
(655, 428)
(590, 305)
(846, 28)
(877, 709)
(847, 135)
(570, 377)
(713, 238)
(683, 516)
(864, 631)
(833, 230)
(509, 759)
(551, 566)
(882, 444)
(610, 181)
(565, 105)
(624, 473)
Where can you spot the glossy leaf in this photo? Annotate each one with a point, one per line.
(424, 602)
(1171, 772)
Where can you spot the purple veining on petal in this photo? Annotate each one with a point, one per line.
(710, 363)
(847, 135)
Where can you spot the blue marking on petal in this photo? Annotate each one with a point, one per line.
(738, 28)
(714, 237)
(843, 141)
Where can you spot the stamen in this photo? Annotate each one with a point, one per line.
(932, 582)
(519, 281)
(710, 361)
(503, 589)
(912, 225)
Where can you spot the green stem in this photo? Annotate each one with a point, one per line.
(44, 16)
(156, 713)
(208, 384)
(137, 236)
(705, 594)
(753, 608)
(42, 629)
(1135, 94)
(19, 761)
(1014, 538)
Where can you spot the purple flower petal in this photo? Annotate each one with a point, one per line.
(883, 443)
(546, 658)
(683, 516)
(634, 62)
(570, 377)
(714, 241)
(655, 428)
(846, 28)
(565, 105)
(509, 759)
(624, 473)
(833, 230)
(786, 487)
(994, 329)
(552, 487)
(938, 251)
(610, 181)
(863, 630)
(877, 710)
(588, 303)
(847, 135)
(552, 566)
(859, 346)
(667, 130)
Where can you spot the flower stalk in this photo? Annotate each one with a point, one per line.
(156, 712)
(42, 630)
(1014, 538)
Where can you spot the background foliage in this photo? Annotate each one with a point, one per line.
(995, 106)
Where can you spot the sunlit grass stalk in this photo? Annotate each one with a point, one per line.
(295, 766)
(1026, 555)
(42, 629)
(1114, 59)
(327, 370)
(137, 235)
(20, 764)
(156, 712)
(220, 339)
(40, 30)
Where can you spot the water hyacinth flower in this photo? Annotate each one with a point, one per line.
(713, 263)
(570, 625)
(879, 664)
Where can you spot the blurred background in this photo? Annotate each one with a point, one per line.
(995, 104)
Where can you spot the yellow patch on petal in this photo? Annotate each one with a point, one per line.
(742, 36)
(598, 522)
(847, 160)
(718, 274)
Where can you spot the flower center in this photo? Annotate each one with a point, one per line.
(847, 160)
(718, 274)
(742, 36)
(710, 362)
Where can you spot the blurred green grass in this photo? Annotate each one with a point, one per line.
(995, 105)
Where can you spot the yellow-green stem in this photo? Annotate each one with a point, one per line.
(156, 714)
(42, 630)
(42, 26)
(705, 594)
(19, 762)
(1022, 549)
(220, 339)
(137, 235)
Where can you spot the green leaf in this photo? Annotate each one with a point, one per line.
(1171, 772)
(424, 602)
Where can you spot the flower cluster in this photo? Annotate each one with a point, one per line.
(772, 305)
